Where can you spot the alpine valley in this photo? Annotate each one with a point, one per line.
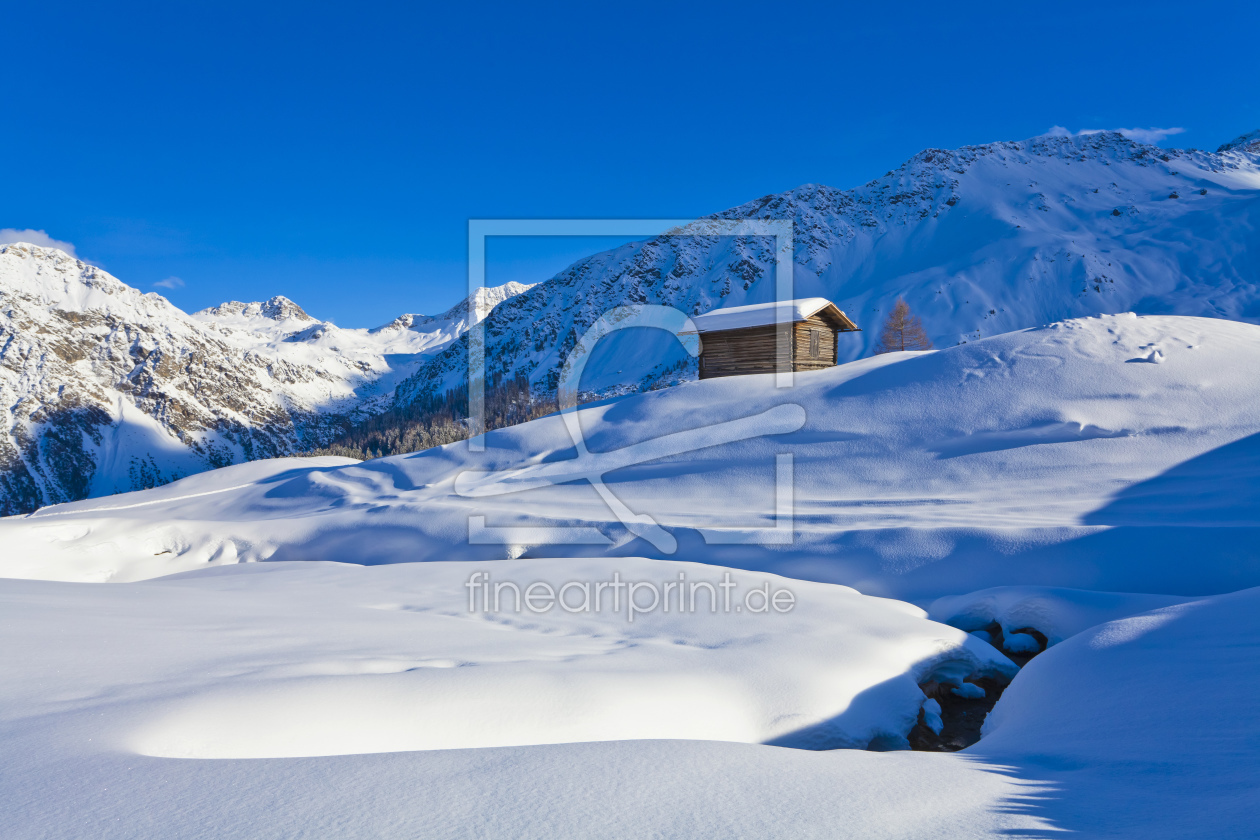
(104, 389)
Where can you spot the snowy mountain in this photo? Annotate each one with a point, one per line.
(979, 241)
(105, 389)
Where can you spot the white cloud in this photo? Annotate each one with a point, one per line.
(9, 236)
(1149, 135)
(170, 283)
(1141, 135)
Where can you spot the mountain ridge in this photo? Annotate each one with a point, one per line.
(106, 389)
(277, 308)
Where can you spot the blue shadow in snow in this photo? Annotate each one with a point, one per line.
(1220, 488)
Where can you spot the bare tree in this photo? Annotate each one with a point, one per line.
(902, 331)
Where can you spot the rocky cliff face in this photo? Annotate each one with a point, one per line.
(980, 240)
(1249, 142)
(104, 389)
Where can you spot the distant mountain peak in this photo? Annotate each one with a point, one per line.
(278, 308)
(1249, 142)
(484, 299)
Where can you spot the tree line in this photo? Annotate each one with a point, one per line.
(438, 420)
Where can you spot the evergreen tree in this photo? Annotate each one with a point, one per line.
(902, 331)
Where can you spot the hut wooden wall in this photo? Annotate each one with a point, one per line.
(754, 349)
(735, 352)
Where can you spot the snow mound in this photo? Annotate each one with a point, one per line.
(1136, 719)
(1108, 734)
(283, 660)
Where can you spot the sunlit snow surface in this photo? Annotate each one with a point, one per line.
(1047, 473)
(299, 659)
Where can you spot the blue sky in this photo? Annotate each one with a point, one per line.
(333, 153)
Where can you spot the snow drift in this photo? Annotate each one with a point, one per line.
(298, 659)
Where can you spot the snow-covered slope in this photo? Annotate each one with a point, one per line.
(1143, 726)
(302, 698)
(384, 700)
(980, 240)
(104, 389)
(1098, 453)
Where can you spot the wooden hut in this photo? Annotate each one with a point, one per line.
(744, 339)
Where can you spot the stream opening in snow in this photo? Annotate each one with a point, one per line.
(963, 710)
(961, 717)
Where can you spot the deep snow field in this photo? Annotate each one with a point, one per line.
(1094, 483)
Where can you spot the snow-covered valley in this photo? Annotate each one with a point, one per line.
(313, 641)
